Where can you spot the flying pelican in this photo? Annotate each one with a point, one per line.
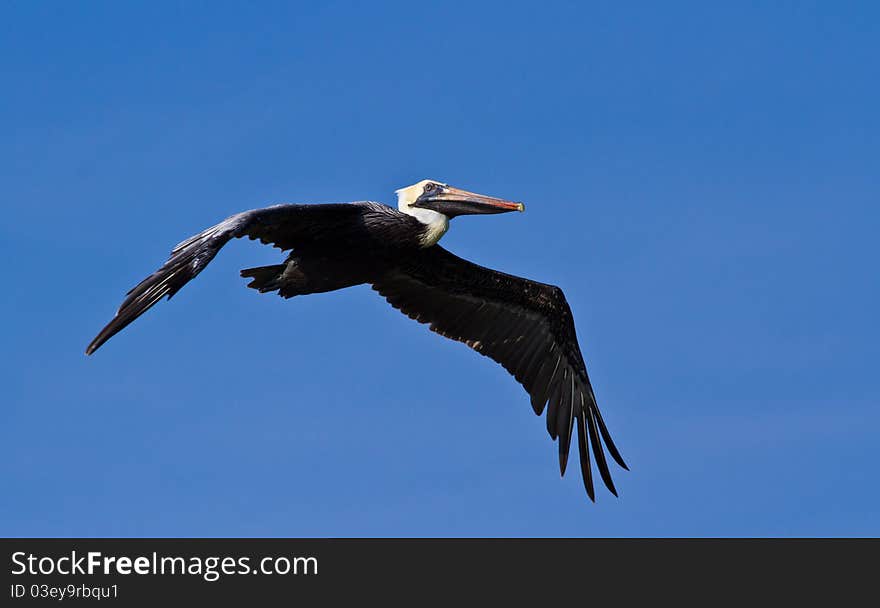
(524, 325)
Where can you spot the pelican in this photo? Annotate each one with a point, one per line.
(524, 325)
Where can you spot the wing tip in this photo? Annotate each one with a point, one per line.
(96, 343)
(563, 459)
(591, 491)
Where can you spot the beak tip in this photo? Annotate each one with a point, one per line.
(520, 207)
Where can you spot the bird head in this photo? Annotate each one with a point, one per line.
(449, 201)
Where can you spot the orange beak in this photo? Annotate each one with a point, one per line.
(454, 201)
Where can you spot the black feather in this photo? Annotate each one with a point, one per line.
(563, 423)
(584, 450)
(599, 453)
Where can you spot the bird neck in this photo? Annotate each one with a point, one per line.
(435, 224)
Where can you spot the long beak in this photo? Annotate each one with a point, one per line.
(453, 201)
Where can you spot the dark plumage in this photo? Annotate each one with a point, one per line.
(525, 326)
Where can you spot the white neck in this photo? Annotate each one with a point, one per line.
(437, 223)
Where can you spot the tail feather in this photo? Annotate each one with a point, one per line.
(265, 278)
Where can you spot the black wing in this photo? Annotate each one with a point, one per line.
(525, 326)
(284, 226)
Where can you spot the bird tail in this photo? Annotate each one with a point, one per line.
(265, 278)
(299, 277)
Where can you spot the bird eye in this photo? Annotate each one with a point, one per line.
(429, 187)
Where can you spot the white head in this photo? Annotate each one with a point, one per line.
(437, 223)
(407, 196)
(434, 203)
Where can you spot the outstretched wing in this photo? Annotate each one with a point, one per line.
(525, 326)
(284, 226)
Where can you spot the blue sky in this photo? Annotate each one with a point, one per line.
(701, 180)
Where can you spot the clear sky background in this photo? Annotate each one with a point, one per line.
(701, 180)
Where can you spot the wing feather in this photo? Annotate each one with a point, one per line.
(283, 226)
(523, 325)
